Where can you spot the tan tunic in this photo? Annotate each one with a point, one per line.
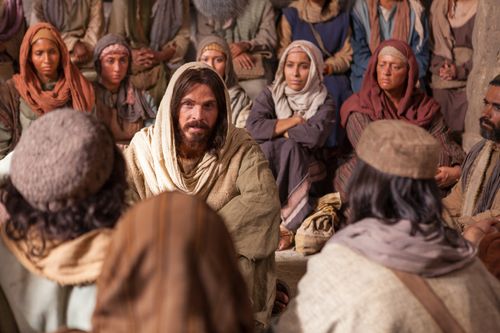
(85, 24)
(154, 79)
(343, 291)
(455, 200)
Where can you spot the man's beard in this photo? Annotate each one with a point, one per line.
(220, 10)
(194, 144)
(488, 130)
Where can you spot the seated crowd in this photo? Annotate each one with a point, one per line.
(194, 139)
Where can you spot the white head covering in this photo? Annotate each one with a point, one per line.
(153, 150)
(306, 102)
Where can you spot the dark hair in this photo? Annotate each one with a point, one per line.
(496, 81)
(100, 210)
(183, 85)
(392, 198)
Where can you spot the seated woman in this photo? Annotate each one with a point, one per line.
(389, 92)
(81, 24)
(64, 195)
(12, 29)
(122, 107)
(374, 21)
(214, 51)
(326, 25)
(48, 80)
(291, 120)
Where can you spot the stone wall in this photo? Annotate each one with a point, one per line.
(486, 58)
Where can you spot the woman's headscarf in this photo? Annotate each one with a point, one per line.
(415, 106)
(130, 104)
(172, 267)
(70, 85)
(306, 102)
(11, 20)
(153, 150)
(229, 75)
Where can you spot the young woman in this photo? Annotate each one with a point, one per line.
(122, 107)
(291, 120)
(47, 81)
(214, 51)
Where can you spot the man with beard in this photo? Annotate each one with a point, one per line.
(476, 196)
(194, 148)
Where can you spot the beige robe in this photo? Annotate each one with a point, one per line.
(84, 26)
(154, 79)
(343, 291)
(454, 202)
(237, 184)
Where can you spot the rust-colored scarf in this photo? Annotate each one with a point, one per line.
(401, 22)
(70, 86)
(415, 106)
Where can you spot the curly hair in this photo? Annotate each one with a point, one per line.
(99, 210)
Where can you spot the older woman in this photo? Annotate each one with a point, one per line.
(291, 120)
(121, 106)
(389, 92)
(374, 21)
(214, 51)
(47, 81)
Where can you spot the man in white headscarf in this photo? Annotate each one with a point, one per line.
(194, 148)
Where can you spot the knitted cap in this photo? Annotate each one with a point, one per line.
(63, 157)
(399, 148)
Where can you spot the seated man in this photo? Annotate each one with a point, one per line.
(476, 196)
(380, 273)
(194, 148)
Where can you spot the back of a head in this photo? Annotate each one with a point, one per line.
(173, 262)
(67, 178)
(394, 176)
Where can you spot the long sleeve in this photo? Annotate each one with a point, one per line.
(421, 48)
(315, 131)
(361, 52)
(284, 35)
(262, 118)
(95, 28)
(253, 219)
(181, 39)
(265, 39)
(341, 60)
(451, 154)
